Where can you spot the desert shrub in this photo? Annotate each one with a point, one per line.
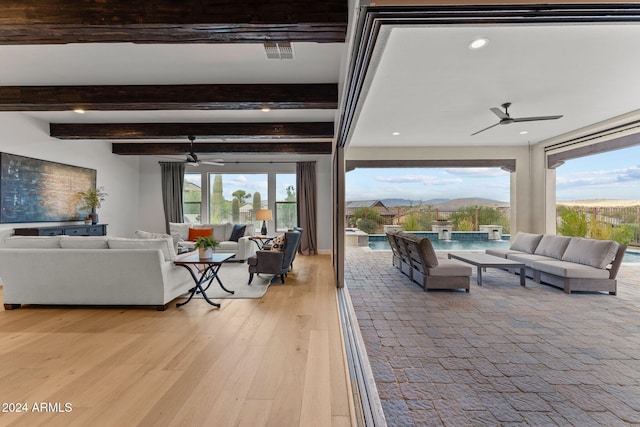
(572, 223)
(367, 225)
(623, 234)
(411, 223)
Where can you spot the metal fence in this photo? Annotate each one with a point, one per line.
(616, 223)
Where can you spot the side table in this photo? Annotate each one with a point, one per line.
(208, 269)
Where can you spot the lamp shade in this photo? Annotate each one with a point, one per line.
(263, 215)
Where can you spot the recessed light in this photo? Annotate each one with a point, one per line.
(478, 43)
(395, 133)
(524, 132)
(265, 109)
(78, 111)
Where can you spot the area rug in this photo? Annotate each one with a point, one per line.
(235, 277)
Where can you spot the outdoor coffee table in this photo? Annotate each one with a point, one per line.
(208, 269)
(484, 261)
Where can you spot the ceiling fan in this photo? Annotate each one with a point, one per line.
(506, 119)
(193, 160)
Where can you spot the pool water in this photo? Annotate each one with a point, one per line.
(381, 243)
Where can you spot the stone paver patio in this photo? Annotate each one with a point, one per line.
(500, 355)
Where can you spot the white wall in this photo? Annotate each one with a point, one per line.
(24, 135)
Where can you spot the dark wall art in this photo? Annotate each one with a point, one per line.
(33, 190)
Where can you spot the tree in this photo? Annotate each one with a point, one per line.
(257, 203)
(572, 223)
(241, 195)
(217, 199)
(235, 210)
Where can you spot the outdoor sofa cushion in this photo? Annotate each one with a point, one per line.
(449, 267)
(596, 253)
(428, 253)
(552, 245)
(525, 242)
(570, 269)
(527, 259)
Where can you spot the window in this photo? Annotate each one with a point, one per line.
(286, 202)
(236, 197)
(192, 197)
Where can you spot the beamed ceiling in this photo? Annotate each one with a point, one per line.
(156, 71)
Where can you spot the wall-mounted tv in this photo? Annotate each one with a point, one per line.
(33, 190)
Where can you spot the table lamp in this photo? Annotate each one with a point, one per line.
(263, 215)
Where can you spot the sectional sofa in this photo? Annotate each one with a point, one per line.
(417, 259)
(100, 270)
(571, 263)
(243, 248)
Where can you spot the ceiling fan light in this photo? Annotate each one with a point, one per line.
(478, 43)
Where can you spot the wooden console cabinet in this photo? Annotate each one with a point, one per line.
(67, 230)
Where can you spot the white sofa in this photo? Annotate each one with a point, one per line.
(571, 263)
(70, 270)
(243, 249)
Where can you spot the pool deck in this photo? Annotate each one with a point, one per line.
(501, 354)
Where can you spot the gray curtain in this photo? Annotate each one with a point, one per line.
(307, 201)
(172, 186)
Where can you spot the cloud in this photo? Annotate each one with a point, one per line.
(477, 172)
(418, 179)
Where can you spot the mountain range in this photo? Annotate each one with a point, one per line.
(445, 203)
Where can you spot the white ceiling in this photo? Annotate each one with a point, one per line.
(427, 85)
(137, 64)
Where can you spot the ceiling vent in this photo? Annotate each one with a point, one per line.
(279, 50)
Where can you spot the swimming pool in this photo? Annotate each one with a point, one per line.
(470, 242)
(466, 241)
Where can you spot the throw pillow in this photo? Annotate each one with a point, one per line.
(237, 232)
(147, 235)
(194, 233)
(164, 244)
(181, 228)
(278, 243)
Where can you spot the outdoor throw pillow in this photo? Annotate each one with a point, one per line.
(278, 243)
(237, 232)
(194, 233)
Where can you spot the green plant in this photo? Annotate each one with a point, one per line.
(203, 242)
(572, 223)
(411, 223)
(93, 198)
(367, 225)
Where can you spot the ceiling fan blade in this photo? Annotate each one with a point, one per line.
(205, 162)
(535, 119)
(487, 128)
(498, 112)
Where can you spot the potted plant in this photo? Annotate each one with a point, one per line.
(92, 199)
(206, 246)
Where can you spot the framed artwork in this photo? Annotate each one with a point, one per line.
(34, 190)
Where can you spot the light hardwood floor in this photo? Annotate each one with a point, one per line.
(275, 361)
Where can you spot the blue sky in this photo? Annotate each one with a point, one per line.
(614, 175)
(250, 183)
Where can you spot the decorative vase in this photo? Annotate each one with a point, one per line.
(205, 253)
(94, 216)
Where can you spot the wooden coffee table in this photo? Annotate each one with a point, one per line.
(484, 261)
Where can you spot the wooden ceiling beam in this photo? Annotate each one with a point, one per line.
(169, 97)
(169, 149)
(233, 131)
(170, 21)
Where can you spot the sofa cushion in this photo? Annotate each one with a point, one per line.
(428, 253)
(450, 267)
(227, 246)
(237, 232)
(525, 242)
(181, 228)
(84, 242)
(596, 253)
(194, 233)
(527, 259)
(164, 244)
(219, 232)
(570, 270)
(140, 234)
(501, 253)
(552, 245)
(33, 242)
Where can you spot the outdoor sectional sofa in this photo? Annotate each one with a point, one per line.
(417, 259)
(90, 270)
(570, 263)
